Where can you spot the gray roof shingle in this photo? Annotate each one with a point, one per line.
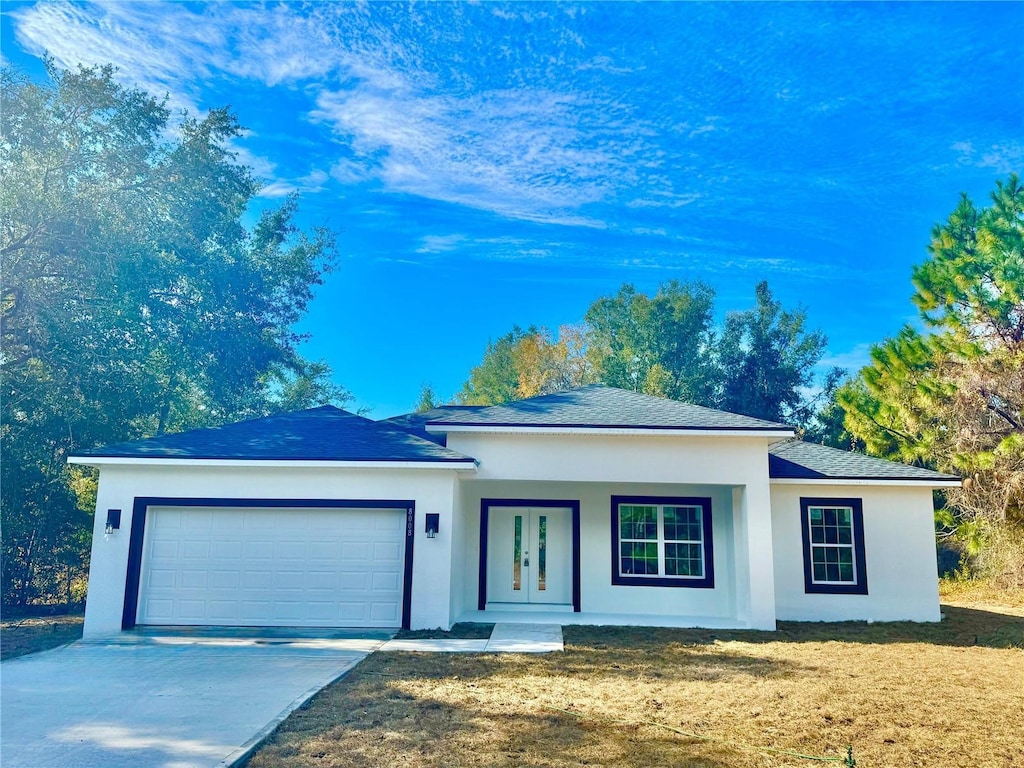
(318, 434)
(598, 406)
(417, 422)
(797, 460)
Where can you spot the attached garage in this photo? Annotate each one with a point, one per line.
(236, 563)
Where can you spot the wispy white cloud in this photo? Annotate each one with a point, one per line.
(309, 184)
(521, 153)
(1002, 157)
(347, 171)
(518, 154)
(439, 243)
(664, 200)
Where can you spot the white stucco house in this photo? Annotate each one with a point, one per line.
(594, 505)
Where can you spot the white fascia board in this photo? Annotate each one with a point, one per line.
(445, 429)
(860, 481)
(96, 461)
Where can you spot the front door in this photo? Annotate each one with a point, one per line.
(529, 555)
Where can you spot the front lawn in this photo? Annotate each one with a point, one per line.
(902, 694)
(37, 633)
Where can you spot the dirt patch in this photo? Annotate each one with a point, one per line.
(949, 694)
(39, 633)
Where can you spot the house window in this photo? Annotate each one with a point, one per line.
(663, 542)
(833, 543)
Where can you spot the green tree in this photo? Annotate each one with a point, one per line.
(427, 400)
(527, 363)
(134, 301)
(952, 396)
(826, 426)
(660, 345)
(767, 358)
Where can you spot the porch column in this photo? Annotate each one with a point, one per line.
(755, 572)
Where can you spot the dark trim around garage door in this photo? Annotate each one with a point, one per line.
(143, 503)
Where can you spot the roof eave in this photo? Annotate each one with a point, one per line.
(915, 482)
(179, 461)
(583, 429)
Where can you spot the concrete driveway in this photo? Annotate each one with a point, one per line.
(171, 701)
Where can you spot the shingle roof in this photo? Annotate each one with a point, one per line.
(598, 406)
(417, 422)
(795, 459)
(318, 434)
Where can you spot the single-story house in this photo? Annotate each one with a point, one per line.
(594, 505)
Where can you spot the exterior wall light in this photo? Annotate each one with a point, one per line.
(113, 520)
(433, 524)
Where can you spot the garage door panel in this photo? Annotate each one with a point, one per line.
(195, 549)
(259, 550)
(162, 548)
(386, 552)
(202, 520)
(322, 550)
(323, 581)
(383, 612)
(162, 578)
(385, 582)
(354, 581)
(226, 550)
(273, 566)
(193, 579)
(291, 550)
(258, 580)
(225, 580)
(228, 521)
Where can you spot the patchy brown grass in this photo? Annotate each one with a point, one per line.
(32, 634)
(980, 593)
(902, 694)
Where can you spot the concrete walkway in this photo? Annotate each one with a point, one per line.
(505, 638)
(167, 701)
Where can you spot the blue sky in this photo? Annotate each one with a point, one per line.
(495, 164)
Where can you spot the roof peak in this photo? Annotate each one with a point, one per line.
(598, 406)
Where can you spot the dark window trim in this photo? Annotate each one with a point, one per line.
(704, 502)
(142, 504)
(485, 506)
(860, 587)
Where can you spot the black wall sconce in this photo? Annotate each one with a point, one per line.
(113, 520)
(433, 524)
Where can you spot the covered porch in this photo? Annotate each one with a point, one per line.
(615, 553)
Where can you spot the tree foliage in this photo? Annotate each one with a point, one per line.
(134, 300)
(952, 396)
(527, 363)
(664, 345)
(659, 345)
(767, 357)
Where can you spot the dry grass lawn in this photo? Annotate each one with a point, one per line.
(902, 694)
(31, 634)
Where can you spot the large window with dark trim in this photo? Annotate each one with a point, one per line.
(833, 544)
(662, 541)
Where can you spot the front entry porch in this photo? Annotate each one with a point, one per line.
(612, 553)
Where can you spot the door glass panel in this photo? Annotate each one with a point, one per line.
(517, 556)
(542, 553)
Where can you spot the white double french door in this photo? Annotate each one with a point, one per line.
(529, 555)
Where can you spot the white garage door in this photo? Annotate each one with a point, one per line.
(272, 567)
